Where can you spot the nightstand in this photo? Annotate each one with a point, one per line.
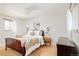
(47, 40)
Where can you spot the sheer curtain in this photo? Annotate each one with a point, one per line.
(72, 20)
(73, 23)
(69, 23)
(69, 20)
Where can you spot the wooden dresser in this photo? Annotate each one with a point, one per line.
(65, 47)
(64, 50)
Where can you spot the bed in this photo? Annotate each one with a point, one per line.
(21, 46)
(26, 49)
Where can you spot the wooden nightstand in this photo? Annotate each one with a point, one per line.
(47, 40)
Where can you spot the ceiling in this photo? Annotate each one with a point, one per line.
(25, 10)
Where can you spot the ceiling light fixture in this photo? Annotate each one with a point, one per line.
(30, 9)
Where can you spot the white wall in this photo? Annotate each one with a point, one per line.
(57, 22)
(3, 33)
(20, 27)
(1, 28)
(47, 16)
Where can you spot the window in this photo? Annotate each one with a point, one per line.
(10, 25)
(7, 25)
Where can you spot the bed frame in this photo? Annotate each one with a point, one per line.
(15, 45)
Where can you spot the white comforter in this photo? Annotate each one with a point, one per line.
(28, 39)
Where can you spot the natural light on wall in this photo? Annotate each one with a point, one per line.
(10, 25)
(69, 20)
(69, 23)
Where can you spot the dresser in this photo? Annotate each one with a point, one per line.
(65, 47)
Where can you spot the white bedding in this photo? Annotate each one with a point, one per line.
(28, 39)
(34, 47)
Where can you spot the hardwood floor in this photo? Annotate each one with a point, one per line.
(45, 51)
(42, 51)
(9, 52)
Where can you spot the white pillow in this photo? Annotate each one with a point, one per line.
(37, 33)
(34, 33)
(31, 33)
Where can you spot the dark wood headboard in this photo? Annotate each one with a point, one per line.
(15, 44)
(42, 32)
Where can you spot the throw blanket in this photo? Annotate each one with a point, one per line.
(32, 43)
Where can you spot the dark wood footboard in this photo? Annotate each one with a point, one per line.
(14, 44)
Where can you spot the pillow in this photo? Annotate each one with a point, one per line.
(18, 36)
(31, 33)
(35, 33)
